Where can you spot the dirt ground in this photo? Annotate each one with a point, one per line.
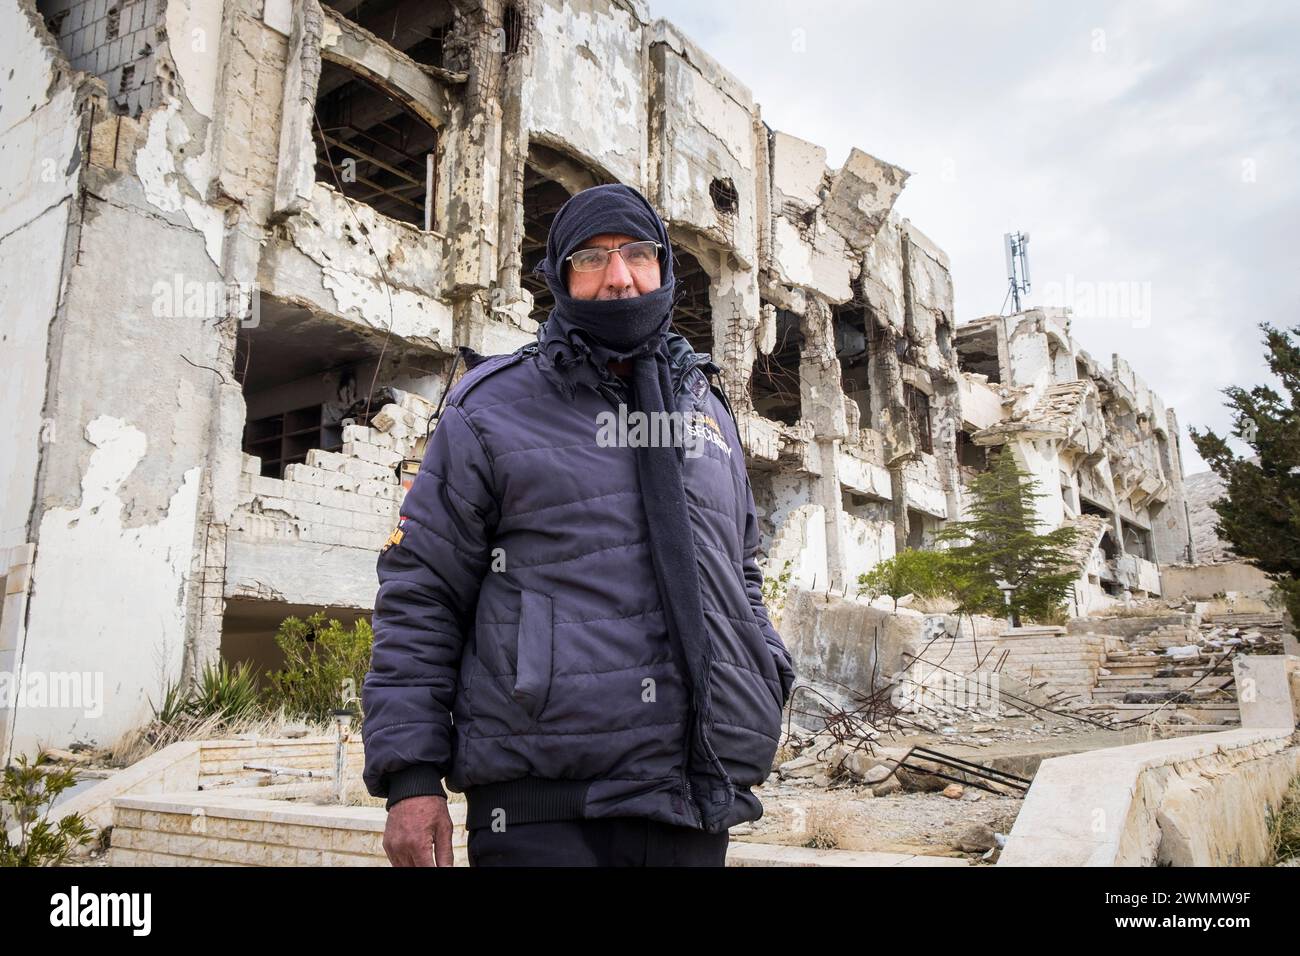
(799, 813)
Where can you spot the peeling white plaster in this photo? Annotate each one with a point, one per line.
(588, 58)
(414, 317)
(155, 165)
(194, 37)
(107, 598)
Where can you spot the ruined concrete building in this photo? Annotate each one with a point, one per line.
(242, 241)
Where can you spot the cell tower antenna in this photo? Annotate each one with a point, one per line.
(1016, 245)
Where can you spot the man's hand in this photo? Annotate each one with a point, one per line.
(414, 826)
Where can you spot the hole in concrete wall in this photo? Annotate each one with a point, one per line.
(977, 351)
(543, 198)
(419, 28)
(372, 148)
(943, 337)
(55, 23)
(918, 415)
(248, 630)
(920, 529)
(760, 481)
(692, 315)
(114, 43)
(301, 376)
(512, 22)
(854, 354)
(774, 380)
(866, 507)
(724, 195)
(1137, 541)
(1108, 546)
(971, 458)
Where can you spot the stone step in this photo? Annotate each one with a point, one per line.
(1228, 706)
(1146, 681)
(1243, 620)
(1110, 695)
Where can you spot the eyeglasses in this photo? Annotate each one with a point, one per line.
(636, 255)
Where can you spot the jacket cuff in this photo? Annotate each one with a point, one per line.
(420, 780)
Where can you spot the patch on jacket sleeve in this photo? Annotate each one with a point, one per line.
(396, 537)
(699, 384)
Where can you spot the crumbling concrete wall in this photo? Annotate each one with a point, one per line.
(129, 395)
(40, 125)
(185, 224)
(1097, 442)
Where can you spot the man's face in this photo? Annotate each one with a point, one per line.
(617, 280)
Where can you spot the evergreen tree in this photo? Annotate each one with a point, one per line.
(1260, 516)
(999, 541)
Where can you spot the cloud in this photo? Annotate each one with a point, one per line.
(1156, 144)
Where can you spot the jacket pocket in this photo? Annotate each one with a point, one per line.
(534, 652)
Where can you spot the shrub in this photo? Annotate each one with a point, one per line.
(325, 662)
(26, 789)
(225, 692)
(922, 573)
(775, 589)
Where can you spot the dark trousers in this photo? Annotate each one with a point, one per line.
(605, 841)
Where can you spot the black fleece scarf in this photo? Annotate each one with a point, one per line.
(577, 342)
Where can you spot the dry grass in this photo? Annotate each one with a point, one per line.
(826, 826)
(137, 744)
(1284, 825)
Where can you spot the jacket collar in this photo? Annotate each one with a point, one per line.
(681, 356)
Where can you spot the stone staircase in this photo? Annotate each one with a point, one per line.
(1193, 694)
(1068, 664)
(1172, 669)
(1176, 670)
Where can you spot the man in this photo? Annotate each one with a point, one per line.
(570, 630)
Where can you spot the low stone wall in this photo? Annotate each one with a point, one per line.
(188, 829)
(845, 642)
(1202, 800)
(227, 829)
(192, 765)
(221, 762)
(1201, 582)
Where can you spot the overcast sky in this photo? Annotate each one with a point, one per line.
(1151, 150)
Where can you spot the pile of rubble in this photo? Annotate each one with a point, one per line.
(822, 760)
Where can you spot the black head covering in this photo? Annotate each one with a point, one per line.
(619, 324)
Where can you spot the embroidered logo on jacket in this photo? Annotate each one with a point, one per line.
(705, 427)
